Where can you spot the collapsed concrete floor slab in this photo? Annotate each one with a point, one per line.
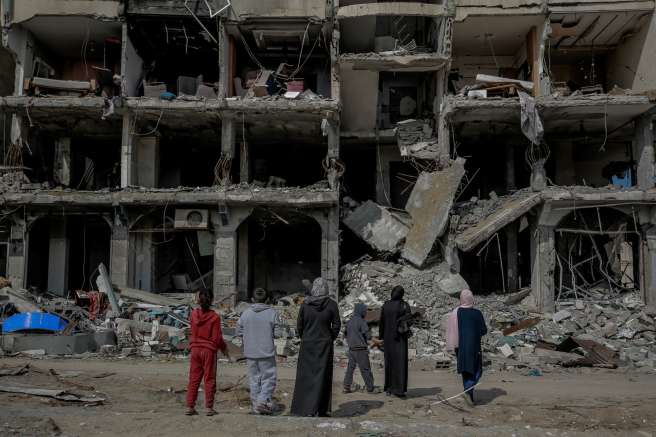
(429, 205)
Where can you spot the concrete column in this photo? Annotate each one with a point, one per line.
(16, 254)
(512, 230)
(644, 143)
(228, 137)
(143, 261)
(226, 252)
(224, 54)
(543, 257)
(384, 155)
(126, 152)
(119, 253)
(649, 273)
(335, 80)
(512, 264)
(243, 262)
(244, 163)
(329, 222)
(333, 137)
(58, 257)
(62, 165)
(146, 164)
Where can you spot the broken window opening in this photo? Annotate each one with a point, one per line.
(180, 159)
(490, 270)
(84, 60)
(596, 53)
(501, 47)
(174, 250)
(293, 62)
(284, 248)
(390, 35)
(405, 96)
(64, 253)
(172, 55)
(597, 255)
(581, 162)
(80, 161)
(269, 167)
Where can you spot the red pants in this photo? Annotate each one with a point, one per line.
(203, 367)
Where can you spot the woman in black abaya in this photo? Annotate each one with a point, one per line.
(394, 329)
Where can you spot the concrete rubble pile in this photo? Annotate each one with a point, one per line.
(107, 322)
(617, 332)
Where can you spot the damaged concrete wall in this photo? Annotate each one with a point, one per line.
(26, 9)
(132, 76)
(244, 9)
(359, 96)
(633, 64)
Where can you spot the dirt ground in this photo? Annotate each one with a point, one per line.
(146, 398)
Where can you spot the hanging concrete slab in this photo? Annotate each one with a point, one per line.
(381, 229)
(429, 206)
(508, 212)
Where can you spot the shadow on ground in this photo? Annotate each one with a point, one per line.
(356, 408)
(486, 396)
(422, 392)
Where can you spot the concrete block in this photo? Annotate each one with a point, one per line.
(561, 315)
(383, 230)
(506, 350)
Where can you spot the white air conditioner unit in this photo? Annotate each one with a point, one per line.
(191, 219)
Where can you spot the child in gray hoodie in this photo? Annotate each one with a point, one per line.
(358, 338)
(257, 327)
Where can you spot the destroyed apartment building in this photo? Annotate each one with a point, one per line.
(241, 144)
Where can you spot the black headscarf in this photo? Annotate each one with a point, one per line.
(397, 293)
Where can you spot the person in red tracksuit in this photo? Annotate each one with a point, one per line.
(206, 340)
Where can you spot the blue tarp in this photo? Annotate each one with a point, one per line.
(34, 322)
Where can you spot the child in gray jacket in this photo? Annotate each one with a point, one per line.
(257, 327)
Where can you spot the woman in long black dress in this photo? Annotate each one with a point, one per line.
(394, 329)
(318, 326)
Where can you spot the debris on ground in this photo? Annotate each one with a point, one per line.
(616, 332)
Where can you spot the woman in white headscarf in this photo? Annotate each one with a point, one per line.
(318, 326)
(465, 328)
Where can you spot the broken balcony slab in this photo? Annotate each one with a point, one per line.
(293, 197)
(562, 115)
(578, 6)
(416, 62)
(408, 9)
(25, 10)
(383, 229)
(429, 205)
(588, 195)
(508, 211)
(254, 108)
(477, 8)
